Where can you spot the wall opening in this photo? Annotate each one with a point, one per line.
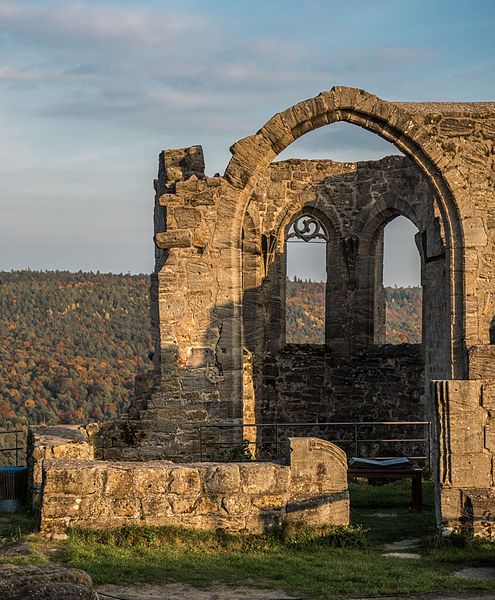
(401, 288)
(306, 278)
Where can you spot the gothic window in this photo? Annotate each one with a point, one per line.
(306, 255)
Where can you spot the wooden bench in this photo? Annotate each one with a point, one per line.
(413, 473)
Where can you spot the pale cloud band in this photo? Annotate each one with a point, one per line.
(90, 91)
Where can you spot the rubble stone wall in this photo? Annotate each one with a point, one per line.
(310, 383)
(238, 497)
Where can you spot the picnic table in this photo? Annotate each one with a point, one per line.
(389, 469)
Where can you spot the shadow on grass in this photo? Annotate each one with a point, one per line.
(316, 568)
(385, 511)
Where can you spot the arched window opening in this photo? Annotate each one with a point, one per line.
(403, 294)
(306, 274)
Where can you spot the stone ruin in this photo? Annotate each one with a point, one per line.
(218, 326)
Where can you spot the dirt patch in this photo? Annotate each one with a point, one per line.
(179, 591)
(477, 573)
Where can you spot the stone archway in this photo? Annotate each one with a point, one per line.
(198, 290)
(391, 121)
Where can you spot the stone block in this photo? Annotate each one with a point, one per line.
(320, 512)
(179, 164)
(264, 521)
(481, 361)
(112, 453)
(207, 505)
(154, 506)
(69, 478)
(182, 504)
(173, 239)
(185, 480)
(317, 467)
(118, 482)
(58, 504)
(270, 502)
(479, 511)
(490, 437)
(471, 470)
(186, 218)
(152, 479)
(235, 505)
(126, 507)
(222, 479)
(258, 478)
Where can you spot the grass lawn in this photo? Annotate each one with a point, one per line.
(346, 563)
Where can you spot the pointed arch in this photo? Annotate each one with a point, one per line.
(391, 121)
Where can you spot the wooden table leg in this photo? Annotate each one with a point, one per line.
(417, 491)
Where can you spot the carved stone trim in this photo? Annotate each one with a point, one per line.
(307, 228)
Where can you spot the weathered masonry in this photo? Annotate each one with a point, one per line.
(218, 288)
(218, 323)
(73, 489)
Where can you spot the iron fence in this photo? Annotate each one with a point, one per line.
(269, 441)
(13, 477)
(18, 446)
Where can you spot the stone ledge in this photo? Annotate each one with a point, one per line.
(239, 497)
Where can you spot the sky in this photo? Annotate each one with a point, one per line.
(92, 91)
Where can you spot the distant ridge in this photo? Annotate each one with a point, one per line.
(306, 313)
(72, 343)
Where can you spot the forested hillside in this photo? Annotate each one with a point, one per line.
(72, 343)
(404, 315)
(306, 313)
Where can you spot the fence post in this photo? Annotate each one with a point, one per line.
(16, 450)
(356, 438)
(430, 447)
(276, 441)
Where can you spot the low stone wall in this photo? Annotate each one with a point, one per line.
(238, 497)
(57, 442)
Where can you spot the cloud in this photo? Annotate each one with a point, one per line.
(148, 64)
(82, 22)
(10, 73)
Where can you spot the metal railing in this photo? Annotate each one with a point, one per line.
(257, 444)
(17, 447)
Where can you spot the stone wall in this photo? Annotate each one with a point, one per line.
(310, 383)
(238, 497)
(57, 442)
(217, 295)
(465, 429)
(353, 202)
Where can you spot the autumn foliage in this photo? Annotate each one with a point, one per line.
(305, 318)
(71, 344)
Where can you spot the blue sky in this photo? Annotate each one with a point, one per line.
(91, 91)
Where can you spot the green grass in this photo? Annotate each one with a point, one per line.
(343, 563)
(315, 571)
(314, 568)
(368, 502)
(16, 527)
